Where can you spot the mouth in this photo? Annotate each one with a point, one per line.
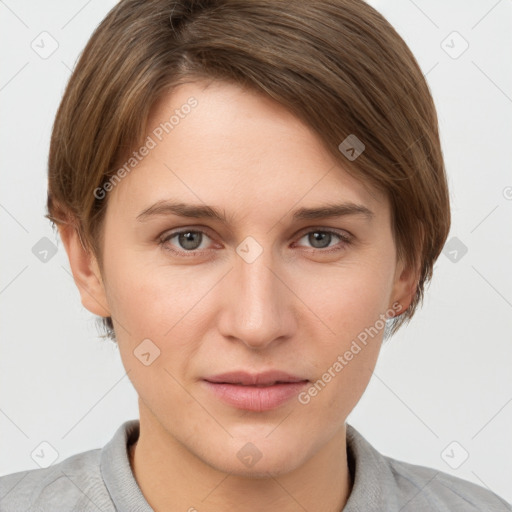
(255, 385)
(255, 392)
(268, 378)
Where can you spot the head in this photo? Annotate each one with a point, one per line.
(214, 104)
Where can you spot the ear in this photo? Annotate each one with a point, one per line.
(404, 287)
(85, 269)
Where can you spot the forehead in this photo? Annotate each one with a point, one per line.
(216, 143)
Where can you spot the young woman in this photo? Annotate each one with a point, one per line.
(252, 194)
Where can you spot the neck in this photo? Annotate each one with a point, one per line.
(171, 478)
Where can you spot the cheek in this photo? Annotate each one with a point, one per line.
(351, 307)
(159, 304)
(351, 300)
(148, 297)
(344, 366)
(164, 304)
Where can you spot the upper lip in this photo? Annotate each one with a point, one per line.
(248, 379)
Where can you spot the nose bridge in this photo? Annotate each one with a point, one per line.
(256, 303)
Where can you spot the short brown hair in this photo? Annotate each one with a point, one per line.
(338, 65)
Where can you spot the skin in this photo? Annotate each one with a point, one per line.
(295, 307)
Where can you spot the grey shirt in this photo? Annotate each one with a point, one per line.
(102, 480)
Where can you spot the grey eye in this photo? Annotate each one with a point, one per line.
(190, 240)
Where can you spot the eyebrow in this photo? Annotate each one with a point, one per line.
(165, 207)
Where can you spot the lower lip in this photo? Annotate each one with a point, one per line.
(253, 398)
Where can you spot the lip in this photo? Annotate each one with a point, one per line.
(255, 392)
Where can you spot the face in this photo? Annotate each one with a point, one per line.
(263, 287)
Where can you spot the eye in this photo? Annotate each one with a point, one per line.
(321, 238)
(190, 242)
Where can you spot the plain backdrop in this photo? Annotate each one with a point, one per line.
(441, 395)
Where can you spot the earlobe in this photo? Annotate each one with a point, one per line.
(85, 270)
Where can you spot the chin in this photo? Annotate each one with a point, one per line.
(255, 459)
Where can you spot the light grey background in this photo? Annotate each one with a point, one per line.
(442, 387)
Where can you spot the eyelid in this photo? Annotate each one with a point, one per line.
(342, 233)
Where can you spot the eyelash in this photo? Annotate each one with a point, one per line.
(346, 240)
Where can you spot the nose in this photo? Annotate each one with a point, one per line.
(258, 306)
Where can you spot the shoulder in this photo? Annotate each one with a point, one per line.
(384, 483)
(73, 484)
(430, 489)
